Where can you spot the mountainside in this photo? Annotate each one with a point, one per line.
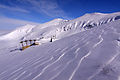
(60, 28)
(86, 48)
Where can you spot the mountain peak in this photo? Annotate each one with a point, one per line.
(57, 19)
(96, 13)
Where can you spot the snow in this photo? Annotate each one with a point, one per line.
(18, 33)
(76, 53)
(60, 28)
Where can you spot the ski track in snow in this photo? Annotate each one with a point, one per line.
(108, 62)
(79, 65)
(20, 75)
(48, 66)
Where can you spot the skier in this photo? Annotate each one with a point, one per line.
(51, 40)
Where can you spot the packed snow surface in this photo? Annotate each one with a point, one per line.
(86, 48)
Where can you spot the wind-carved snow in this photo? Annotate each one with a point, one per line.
(101, 39)
(79, 65)
(91, 54)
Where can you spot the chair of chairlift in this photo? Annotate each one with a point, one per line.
(27, 46)
(35, 43)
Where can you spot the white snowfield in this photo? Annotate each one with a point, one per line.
(86, 48)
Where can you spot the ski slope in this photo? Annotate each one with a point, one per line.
(76, 54)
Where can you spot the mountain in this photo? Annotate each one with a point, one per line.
(61, 28)
(3, 32)
(86, 48)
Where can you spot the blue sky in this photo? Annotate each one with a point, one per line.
(15, 13)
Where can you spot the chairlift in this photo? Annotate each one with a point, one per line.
(27, 46)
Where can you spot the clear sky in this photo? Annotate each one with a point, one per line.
(14, 13)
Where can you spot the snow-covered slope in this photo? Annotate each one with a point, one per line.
(83, 55)
(88, 55)
(18, 33)
(59, 28)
